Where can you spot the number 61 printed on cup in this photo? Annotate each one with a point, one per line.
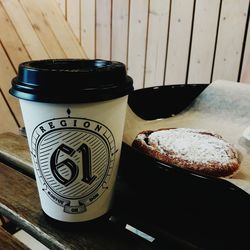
(86, 164)
(74, 159)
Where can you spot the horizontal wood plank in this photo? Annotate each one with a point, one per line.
(8, 242)
(19, 202)
(14, 150)
(15, 147)
(8, 123)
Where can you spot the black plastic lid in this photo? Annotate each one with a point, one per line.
(71, 81)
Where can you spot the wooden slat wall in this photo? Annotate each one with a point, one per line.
(29, 30)
(103, 29)
(230, 39)
(181, 17)
(31, 42)
(137, 44)
(88, 27)
(7, 72)
(7, 121)
(160, 41)
(120, 14)
(73, 16)
(245, 73)
(167, 41)
(203, 40)
(157, 40)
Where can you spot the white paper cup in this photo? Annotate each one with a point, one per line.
(74, 134)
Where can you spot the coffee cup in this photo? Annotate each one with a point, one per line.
(74, 114)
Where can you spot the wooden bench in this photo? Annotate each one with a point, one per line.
(161, 42)
(9, 242)
(19, 202)
(170, 222)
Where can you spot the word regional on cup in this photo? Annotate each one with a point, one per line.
(74, 159)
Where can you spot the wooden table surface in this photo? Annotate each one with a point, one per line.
(197, 224)
(19, 202)
(9, 242)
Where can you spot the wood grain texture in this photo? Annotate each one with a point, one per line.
(120, 19)
(30, 30)
(10, 40)
(8, 242)
(137, 40)
(73, 16)
(103, 29)
(245, 72)
(68, 41)
(62, 6)
(7, 73)
(179, 41)
(230, 39)
(41, 26)
(159, 11)
(88, 27)
(14, 150)
(203, 41)
(8, 123)
(19, 201)
(24, 29)
(131, 31)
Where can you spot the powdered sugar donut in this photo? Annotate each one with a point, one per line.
(194, 149)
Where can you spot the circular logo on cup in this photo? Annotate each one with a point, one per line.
(74, 159)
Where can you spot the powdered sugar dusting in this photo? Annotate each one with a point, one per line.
(193, 145)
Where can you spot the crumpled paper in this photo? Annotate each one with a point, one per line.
(224, 108)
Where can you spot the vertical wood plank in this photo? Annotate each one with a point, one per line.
(43, 29)
(62, 6)
(10, 40)
(137, 40)
(230, 39)
(24, 29)
(245, 72)
(61, 29)
(203, 41)
(7, 121)
(73, 16)
(179, 41)
(88, 27)
(120, 11)
(157, 41)
(6, 74)
(103, 29)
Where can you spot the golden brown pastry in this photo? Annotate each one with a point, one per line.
(192, 149)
